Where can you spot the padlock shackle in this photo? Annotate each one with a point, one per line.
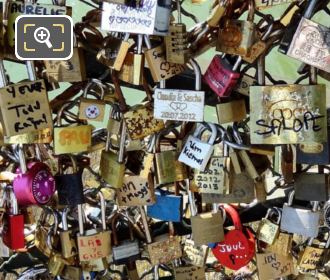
(251, 11)
(201, 127)
(92, 82)
(103, 206)
(73, 161)
(65, 218)
(198, 75)
(3, 77)
(31, 70)
(122, 142)
(145, 224)
(233, 214)
(13, 203)
(80, 219)
(310, 8)
(161, 134)
(115, 218)
(22, 159)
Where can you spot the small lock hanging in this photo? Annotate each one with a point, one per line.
(95, 244)
(310, 44)
(237, 36)
(197, 153)
(267, 229)
(68, 242)
(125, 251)
(34, 183)
(282, 244)
(112, 166)
(221, 76)
(71, 138)
(13, 226)
(168, 206)
(311, 187)
(69, 185)
(159, 67)
(180, 105)
(206, 227)
(238, 247)
(176, 42)
(300, 220)
(92, 109)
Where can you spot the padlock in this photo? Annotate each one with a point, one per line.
(197, 153)
(151, 21)
(294, 122)
(237, 36)
(93, 245)
(310, 44)
(291, 21)
(71, 139)
(195, 255)
(25, 110)
(217, 13)
(260, 45)
(221, 76)
(125, 251)
(274, 266)
(71, 70)
(132, 67)
(180, 105)
(69, 185)
(305, 182)
(233, 111)
(112, 166)
(92, 109)
(189, 271)
(267, 229)
(159, 67)
(168, 207)
(56, 264)
(301, 221)
(282, 244)
(140, 121)
(33, 183)
(42, 232)
(238, 247)
(13, 227)
(312, 255)
(176, 42)
(68, 242)
(206, 227)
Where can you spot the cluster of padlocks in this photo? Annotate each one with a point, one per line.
(95, 188)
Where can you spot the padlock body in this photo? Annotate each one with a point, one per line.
(300, 221)
(236, 37)
(111, 170)
(68, 244)
(126, 252)
(310, 45)
(267, 231)
(220, 78)
(13, 231)
(70, 189)
(168, 207)
(207, 228)
(36, 186)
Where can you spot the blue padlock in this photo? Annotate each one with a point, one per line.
(168, 207)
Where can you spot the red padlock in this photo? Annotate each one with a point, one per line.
(13, 226)
(221, 77)
(238, 248)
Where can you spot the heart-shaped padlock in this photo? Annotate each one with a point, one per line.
(36, 186)
(238, 247)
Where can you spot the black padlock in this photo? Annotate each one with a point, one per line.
(69, 186)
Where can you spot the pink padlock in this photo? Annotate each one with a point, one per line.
(35, 186)
(221, 77)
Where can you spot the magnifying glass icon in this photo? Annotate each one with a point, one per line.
(41, 35)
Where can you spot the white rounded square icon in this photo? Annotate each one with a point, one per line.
(43, 37)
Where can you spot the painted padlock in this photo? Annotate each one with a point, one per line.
(222, 77)
(34, 183)
(238, 248)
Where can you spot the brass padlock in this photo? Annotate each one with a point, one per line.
(112, 166)
(92, 109)
(177, 42)
(269, 230)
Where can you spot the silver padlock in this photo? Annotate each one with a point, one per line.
(300, 220)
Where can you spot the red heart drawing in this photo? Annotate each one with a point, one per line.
(233, 252)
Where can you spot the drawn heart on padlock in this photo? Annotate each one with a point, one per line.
(233, 252)
(178, 106)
